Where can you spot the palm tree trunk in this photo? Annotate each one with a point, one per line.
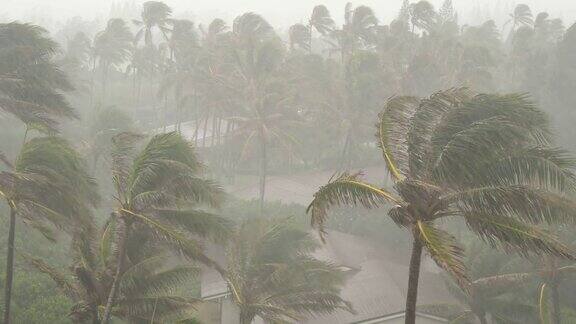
(205, 130)
(246, 317)
(262, 170)
(93, 77)
(165, 113)
(133, 86)
(122, 232)
(413, 277)
(556, 312)
(344, 158)
(9, 265)
(94, 311)
(104, 80)
(310, 40)
(483, 319)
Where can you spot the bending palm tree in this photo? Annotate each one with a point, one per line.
(147, 291)
(484, 158)
(257, 88)
(320, 21)
(30, 82)
(154, 14)
(272, 274)
(47, 186)
(30, 90)
(112, 47)
(155, 191)
(357, 31)
(522, 16)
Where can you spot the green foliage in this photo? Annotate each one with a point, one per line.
(271, 260)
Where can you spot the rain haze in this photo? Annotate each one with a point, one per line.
(282, 13)
(303, 161)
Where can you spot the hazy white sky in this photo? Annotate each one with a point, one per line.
(281, 12)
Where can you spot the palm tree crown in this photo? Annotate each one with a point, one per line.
(31, 84)
(272, 274)
(485, 158)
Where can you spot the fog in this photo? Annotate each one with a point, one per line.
(281, 13)
(265, 162)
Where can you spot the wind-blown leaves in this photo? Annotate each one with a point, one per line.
(484, 158)
(272, 274)
(444, 251)
(392, 130)
(510, 233)
(156, 189)
(31, 84)
(346, 189)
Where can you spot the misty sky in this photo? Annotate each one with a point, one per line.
(281, 13)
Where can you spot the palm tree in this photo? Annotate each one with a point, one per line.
(484, 158)
(148, 291)
(302, 35)
(491, 294)
(184, 48)
(103, 126)
(272, 274)
(183, 40)
(357, 31)
(30, 82)
(422, 15)
(47, 186)
(112, 47)
(155, 192)
(522, 16)
(550, 274)
(154, 14)
(256, 87)
(320, 21)
(30, 90)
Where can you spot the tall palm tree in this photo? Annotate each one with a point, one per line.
(48, 186)
(158, 192)
(357, 31)
(183, 39)
(31, 83)
(31, 86)
(154, 14)
(273, 275)
(112, 47)
(148, 291)
(484, 158)
(522, 16)
(302, 35)
(102, 127)
(422, 15)
(256, 88)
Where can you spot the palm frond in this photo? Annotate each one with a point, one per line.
(543, 304)
(346, 189)
(201, 223)
(61, 280)
(393, 126)
(173, 238)
(509, 233)
(444, 250)
(429, 114)
(163, 155)
(529, 204)
(500, 283)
